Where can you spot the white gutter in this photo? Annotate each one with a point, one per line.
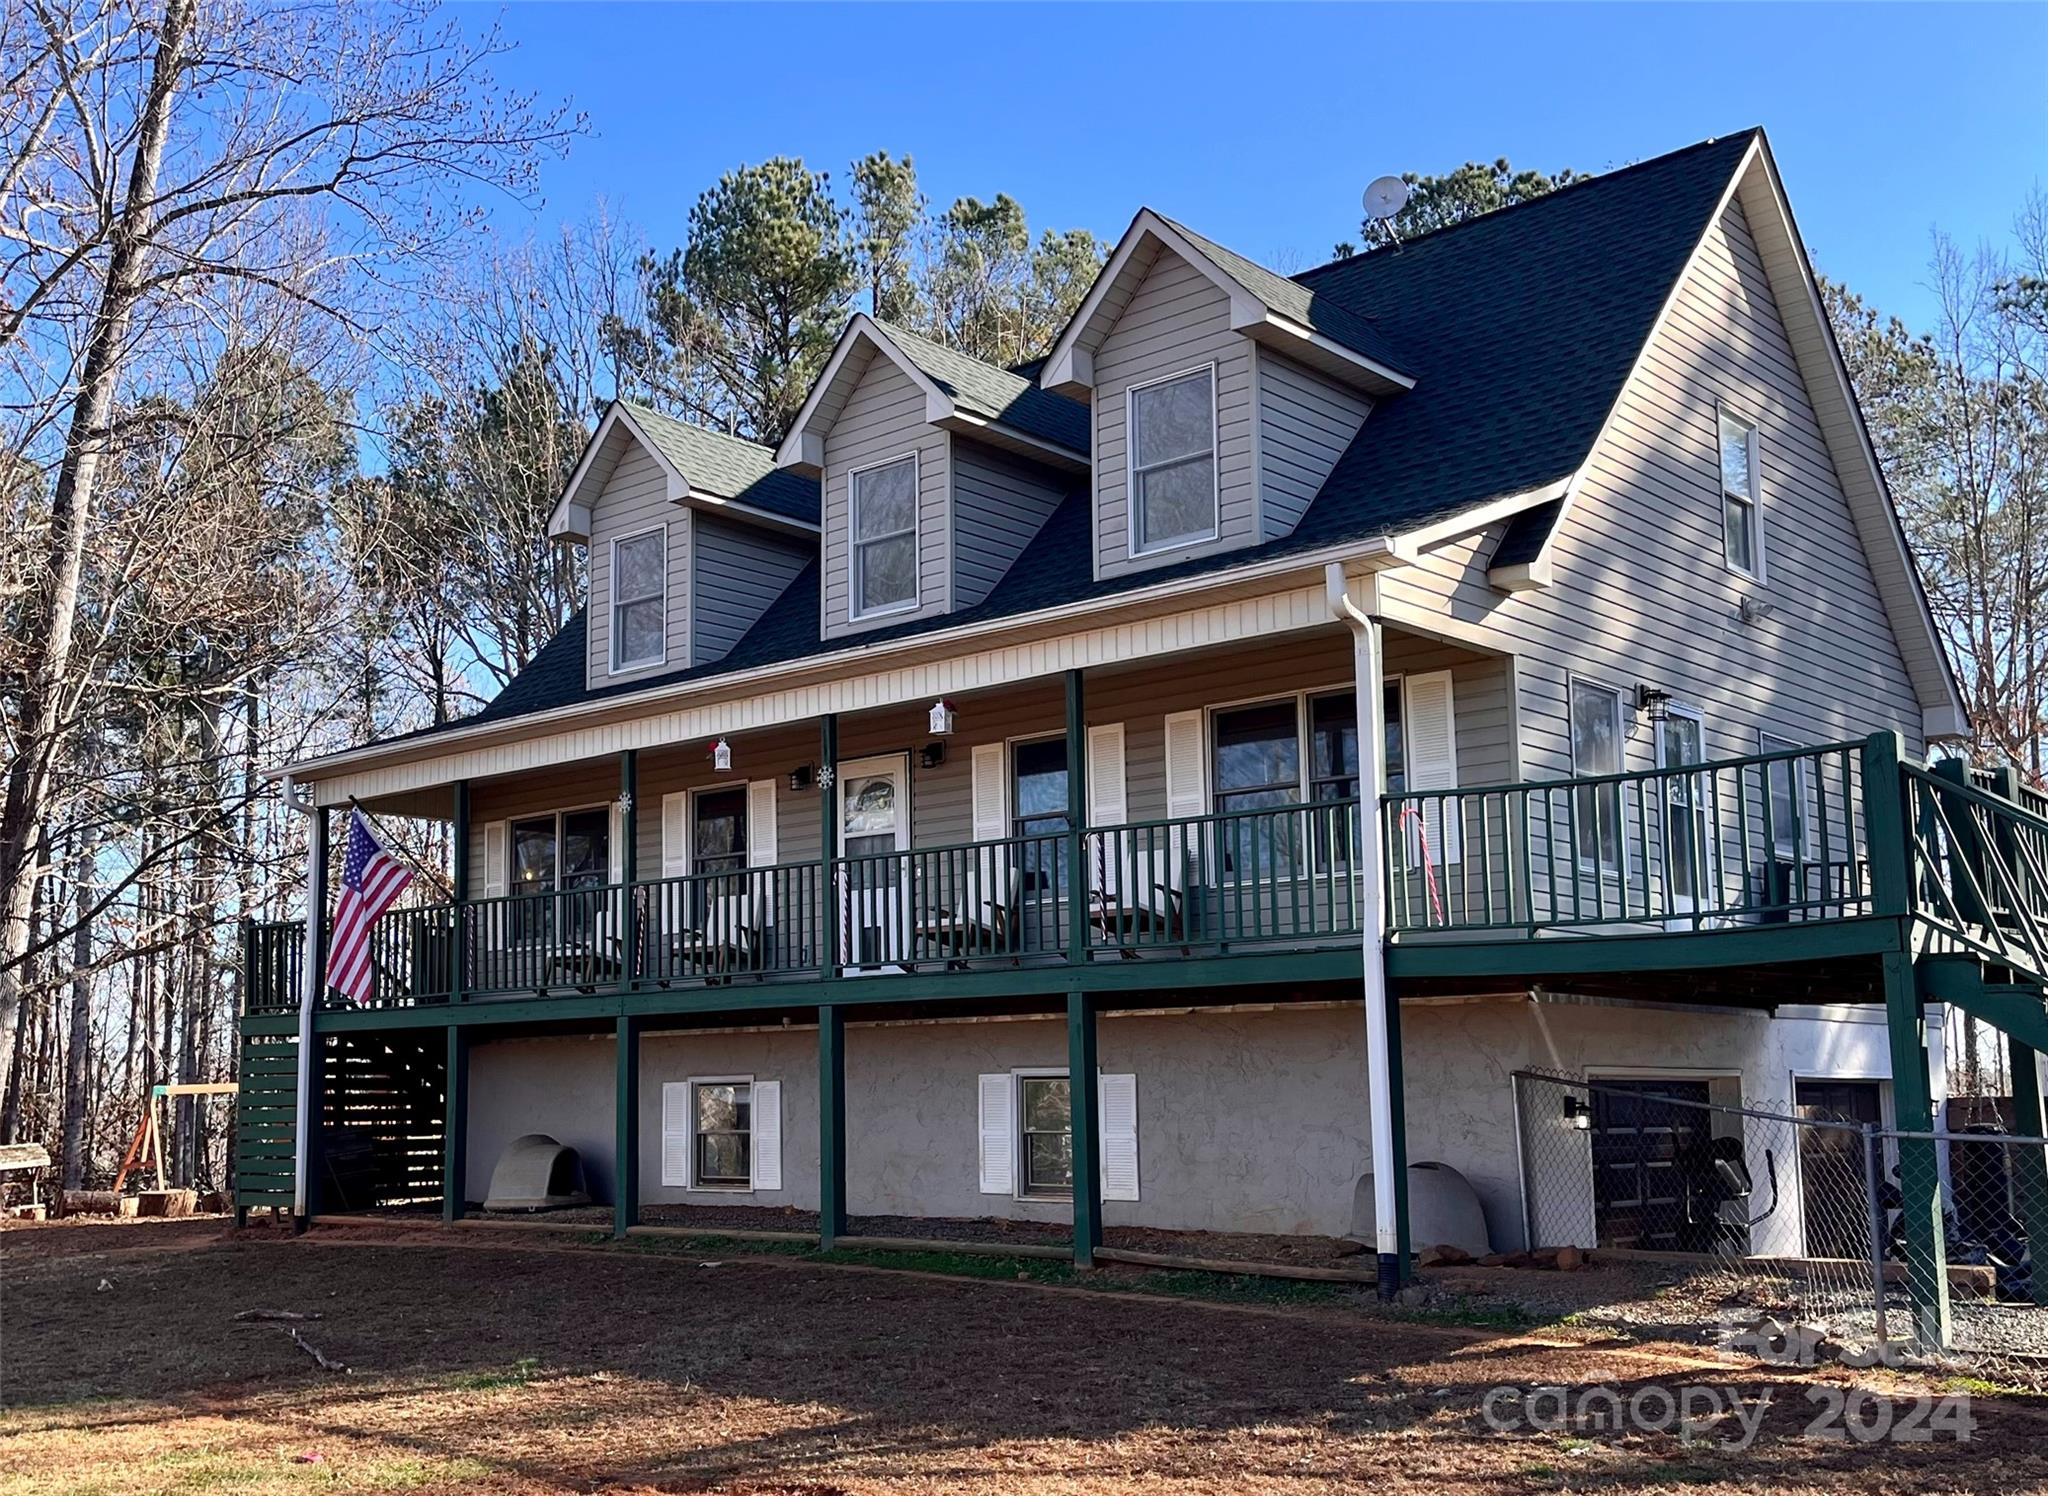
(1376, 553)
(1367, 678)
(311, 963)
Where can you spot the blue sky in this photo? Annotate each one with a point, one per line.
(1260, 125)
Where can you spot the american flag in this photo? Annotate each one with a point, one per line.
(371, 878)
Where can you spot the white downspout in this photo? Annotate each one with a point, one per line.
(1368, 679)
(309, 1000)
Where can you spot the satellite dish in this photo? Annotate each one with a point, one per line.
(1385, 196)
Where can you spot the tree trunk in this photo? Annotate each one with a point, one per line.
(23, 814)
(79, 1041)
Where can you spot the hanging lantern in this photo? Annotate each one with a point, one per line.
(721, 756)
(942, 718)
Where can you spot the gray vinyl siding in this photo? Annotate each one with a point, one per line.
(1176, 321)
(737, 570)
(884, 419)
(941, 798)
(999, 503)
(1643, 593)
(635, 499)
(1305, 423)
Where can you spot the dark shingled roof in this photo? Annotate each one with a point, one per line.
(728, 467)
(1519, 326)
(997, 394)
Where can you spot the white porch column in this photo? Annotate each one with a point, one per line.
(1368, 678)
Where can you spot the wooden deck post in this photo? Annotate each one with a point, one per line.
(1084, 1098)
(831, 1126)
(1885, 831)
(1405, 1248)
(626, 1127)
(1077, 820)
(455, 1126)
(629, 867)
(1919, 1168)
(828, 845)
(2030, 1163)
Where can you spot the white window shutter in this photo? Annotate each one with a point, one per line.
(497, 858)
(1117, 1118)
(1106, 804)
(675, 834)
(675, 1134)
(998, 1152)
(761, 823)
(991, 797)
(766, 1151)
(615, 864)
(1187, 766)
(1429, 727)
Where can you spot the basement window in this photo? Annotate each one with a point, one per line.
(1048, 1131)
(724, 1134)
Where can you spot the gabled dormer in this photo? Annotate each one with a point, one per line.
(1223, 395)
(935, 471)
(691, 535)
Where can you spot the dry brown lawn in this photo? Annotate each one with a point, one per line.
(512, 1362)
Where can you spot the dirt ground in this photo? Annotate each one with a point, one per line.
(523, 1363)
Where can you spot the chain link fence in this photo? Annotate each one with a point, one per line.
(1791, 1220)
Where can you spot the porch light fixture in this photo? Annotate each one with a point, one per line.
(800, 778)
(1653, 703)
(942, 718)
(931, 755)
(721, 756)
(1577, 1114)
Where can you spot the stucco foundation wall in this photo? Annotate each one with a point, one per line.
(559, 1086)
(1247, 1121)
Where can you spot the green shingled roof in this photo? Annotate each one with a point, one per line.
(728, 467)
(1300, 302)
(995, 394)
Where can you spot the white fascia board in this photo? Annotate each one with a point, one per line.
(1318, 351)
(562, 524)
(1002, 434)
(1412, 544)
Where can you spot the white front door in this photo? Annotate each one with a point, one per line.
(1681, 743)
(873, 892)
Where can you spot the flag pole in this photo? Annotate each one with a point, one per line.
(398, 848)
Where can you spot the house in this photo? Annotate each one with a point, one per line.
(1002, 726)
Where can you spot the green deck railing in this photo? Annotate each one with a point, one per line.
(1766, 837)
(1775, 837)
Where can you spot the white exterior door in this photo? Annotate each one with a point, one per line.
(873, 891)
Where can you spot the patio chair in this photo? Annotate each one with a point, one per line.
(1134, 892)
(980, 917)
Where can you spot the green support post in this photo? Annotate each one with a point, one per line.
(626, 1128)
(458, 957)
(1919, 1163)
(2030, 1161)
(629, 867)
(455, 1126)
(831, 1126)
(828, 842)
(1404, 1248)
(1077, 819)
(1084, 1101)
(1885, 828)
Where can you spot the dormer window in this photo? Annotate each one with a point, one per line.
(884, 520)
(640, 600)
(1173, 461)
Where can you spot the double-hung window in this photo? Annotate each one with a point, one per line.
(1173, 461)
(1596, 750)
(884, 521)
(639, 607)
(1038, 799)
(1741, 498)
(723, 1127)
(1046, 1105)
